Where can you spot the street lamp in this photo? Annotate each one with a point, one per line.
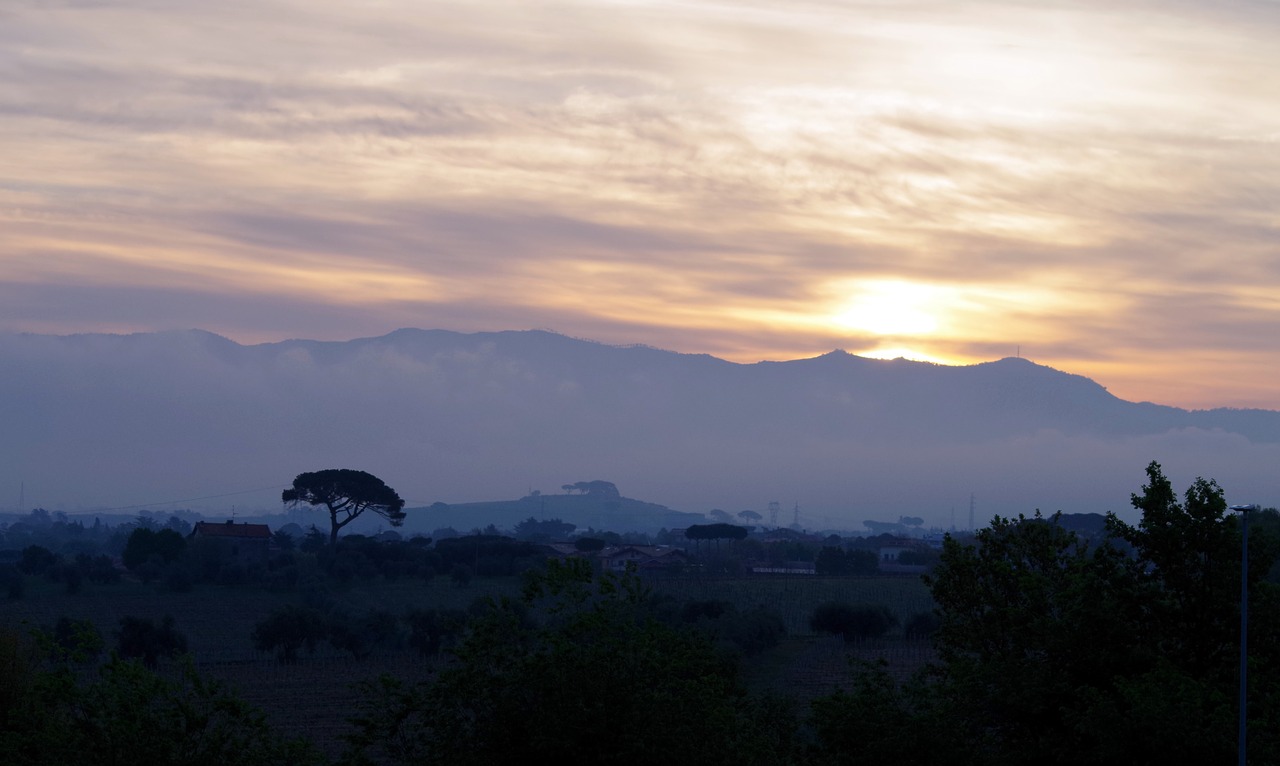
(1244, 624)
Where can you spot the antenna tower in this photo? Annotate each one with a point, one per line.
(971, 504)
(795, 519)
(774, 508)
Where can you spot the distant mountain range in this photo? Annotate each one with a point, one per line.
(121, 420)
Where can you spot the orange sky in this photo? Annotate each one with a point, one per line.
(1093, 184)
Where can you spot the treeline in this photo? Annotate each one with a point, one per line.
(1051, 650)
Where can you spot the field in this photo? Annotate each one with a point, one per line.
(315, 696)
(795, 597)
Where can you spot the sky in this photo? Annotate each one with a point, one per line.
(1094, 186)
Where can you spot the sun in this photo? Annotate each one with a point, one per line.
(891, 308)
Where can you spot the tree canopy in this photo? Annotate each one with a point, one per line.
(597, 680)
(1056, 650)
(346, 494)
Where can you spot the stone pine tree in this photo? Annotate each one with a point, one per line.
(346, 494)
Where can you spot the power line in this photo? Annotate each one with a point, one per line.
(188, 500)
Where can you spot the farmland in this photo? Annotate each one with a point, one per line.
(313, 697)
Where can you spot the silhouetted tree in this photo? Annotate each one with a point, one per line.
(345, 494)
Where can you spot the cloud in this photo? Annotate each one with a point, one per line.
(1093, 182)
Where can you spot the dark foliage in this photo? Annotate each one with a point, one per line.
(140, 638)
(37, 560)
(289, 629)
(157, 547)
(852, 621)
(1058, 651)
(598, 682)
(127, 716)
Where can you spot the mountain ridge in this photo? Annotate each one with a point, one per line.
(457, 416)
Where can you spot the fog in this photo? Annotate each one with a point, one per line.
(192, 420)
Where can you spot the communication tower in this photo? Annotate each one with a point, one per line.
(774, 508)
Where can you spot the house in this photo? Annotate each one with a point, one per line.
(891, 554)
(645, 558)
(239, 543)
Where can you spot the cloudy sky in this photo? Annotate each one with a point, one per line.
(1094, 185)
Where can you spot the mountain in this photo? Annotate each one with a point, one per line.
(118, 420)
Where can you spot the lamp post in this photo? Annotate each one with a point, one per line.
(1244, 625)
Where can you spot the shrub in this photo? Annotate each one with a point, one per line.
(143, 639)
(360, 635)
(76, 640)
(852, 621)
(287, 630)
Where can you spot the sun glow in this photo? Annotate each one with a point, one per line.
(892, 308)
(902, 352)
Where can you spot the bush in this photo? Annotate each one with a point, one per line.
(360, 635)
(143, 639)
(287, 630)
(852, 621)
(76, 640)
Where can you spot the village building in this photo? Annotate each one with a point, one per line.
(238, 543)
